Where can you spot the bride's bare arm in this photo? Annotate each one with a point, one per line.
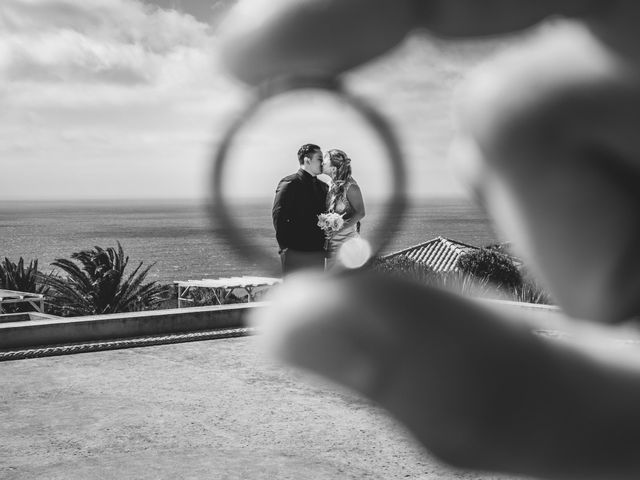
(354, 195)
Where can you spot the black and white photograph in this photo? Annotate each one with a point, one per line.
(319, 239)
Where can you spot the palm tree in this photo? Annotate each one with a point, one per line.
(17, 276)
(99, 285)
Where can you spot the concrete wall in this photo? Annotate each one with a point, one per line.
(51, 331)
(24, 316)
(58, 330)
(543, 316)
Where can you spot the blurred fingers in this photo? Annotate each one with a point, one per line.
(264, 39)
(434, 360)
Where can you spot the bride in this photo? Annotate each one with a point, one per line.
(344, 197)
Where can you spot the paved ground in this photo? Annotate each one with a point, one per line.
(211, 409)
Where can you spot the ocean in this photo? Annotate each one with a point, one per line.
(176, 236)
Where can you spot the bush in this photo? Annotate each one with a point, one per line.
(404, 267)
(458, 282)
(205, 296)
(497, 268)
(465, 284)
(485, 273)
(531, 291)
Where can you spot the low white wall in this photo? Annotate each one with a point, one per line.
(58, 330)
(61, 330)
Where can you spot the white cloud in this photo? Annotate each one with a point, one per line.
(115, 88)
(127, 21)
(111, 42)
(90, 86)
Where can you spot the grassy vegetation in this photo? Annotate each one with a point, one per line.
(484, 273)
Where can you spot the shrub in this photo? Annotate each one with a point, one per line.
(404, 267)
(458, 282)
(497, 268)
(205, 296)
(465, 284)
(531, 291)
(485, 273)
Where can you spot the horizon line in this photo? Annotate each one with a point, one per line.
(185, 199)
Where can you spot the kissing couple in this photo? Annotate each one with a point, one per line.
(322, 185)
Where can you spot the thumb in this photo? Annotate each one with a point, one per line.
(437, 362)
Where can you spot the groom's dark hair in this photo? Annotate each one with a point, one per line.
(307, 150)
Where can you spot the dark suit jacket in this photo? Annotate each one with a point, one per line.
(300, 198)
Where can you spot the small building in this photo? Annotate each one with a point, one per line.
(440, 254)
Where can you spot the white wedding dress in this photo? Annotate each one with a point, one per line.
(339, 203)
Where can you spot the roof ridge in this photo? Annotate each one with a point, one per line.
(419, 245)
(450, 240)
(412, 247)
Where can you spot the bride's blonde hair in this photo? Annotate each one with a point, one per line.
(342, 162)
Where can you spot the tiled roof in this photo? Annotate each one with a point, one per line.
(440, 254)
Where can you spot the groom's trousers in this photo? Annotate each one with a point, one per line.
(295, 260)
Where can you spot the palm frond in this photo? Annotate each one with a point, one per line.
(96, 282)
(74, 274)
(132, 288)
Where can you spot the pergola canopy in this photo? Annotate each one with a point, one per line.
(9, 297)
(223, 287)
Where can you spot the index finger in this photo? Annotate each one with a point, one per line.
(263, 39)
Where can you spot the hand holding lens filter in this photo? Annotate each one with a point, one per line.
(354, 253)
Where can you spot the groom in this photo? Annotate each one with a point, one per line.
(300, 198)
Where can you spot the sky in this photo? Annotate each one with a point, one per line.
(125, 99)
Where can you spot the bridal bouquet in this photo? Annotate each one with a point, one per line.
(330, 223)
